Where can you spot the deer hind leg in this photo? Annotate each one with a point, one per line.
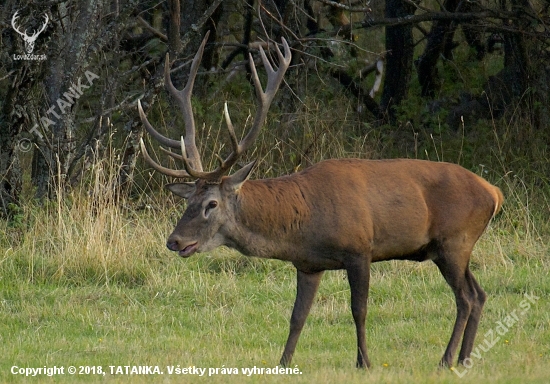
(453, 265)
(307, 285)
(473, 321)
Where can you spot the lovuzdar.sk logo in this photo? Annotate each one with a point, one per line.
(29, 40)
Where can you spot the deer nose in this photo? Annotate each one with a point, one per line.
(174, 243)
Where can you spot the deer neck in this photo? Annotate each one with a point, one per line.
(270, 216)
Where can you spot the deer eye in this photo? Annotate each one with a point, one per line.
(211, 205)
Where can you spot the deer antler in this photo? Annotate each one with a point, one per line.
(190, 155)
(183, 99)
(13, 19)
(24, 34)
(36, 33)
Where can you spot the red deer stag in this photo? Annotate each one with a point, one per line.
(337, 214)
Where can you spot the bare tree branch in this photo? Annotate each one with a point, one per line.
(346, 7)
(274, 18)
(150, 28)
(355, 89)
(428, 16)
(490, 16)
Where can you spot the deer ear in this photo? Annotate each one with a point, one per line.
(236, 180)
(184, 190)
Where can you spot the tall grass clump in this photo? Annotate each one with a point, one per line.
(88, 234)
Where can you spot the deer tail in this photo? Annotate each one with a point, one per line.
(499, 200)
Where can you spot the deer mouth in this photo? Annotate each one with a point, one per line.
(189, 250)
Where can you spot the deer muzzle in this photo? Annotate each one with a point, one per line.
(184, 249)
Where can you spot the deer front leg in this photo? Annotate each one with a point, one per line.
(358, 277)
(307, 284)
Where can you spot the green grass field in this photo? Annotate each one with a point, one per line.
(94, 287)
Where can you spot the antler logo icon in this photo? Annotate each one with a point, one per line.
(29, 40)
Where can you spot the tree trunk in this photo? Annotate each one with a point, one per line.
(400, 48)
(441, 32)
(22, 77)
(522, 70)
(186, 24)
(76, 30)
(10, 127)
(473, 30)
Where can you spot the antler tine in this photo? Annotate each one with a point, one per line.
(153, 132)
(183, 99)
(232, 136)
(13, 19)
(160, 168)
(43, 27)
(274, 80)
(172, 154)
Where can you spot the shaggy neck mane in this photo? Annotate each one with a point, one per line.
(273, 207)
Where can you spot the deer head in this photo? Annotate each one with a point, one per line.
(29, 40)
(211, 204)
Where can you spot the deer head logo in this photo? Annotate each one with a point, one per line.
(29, 40)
